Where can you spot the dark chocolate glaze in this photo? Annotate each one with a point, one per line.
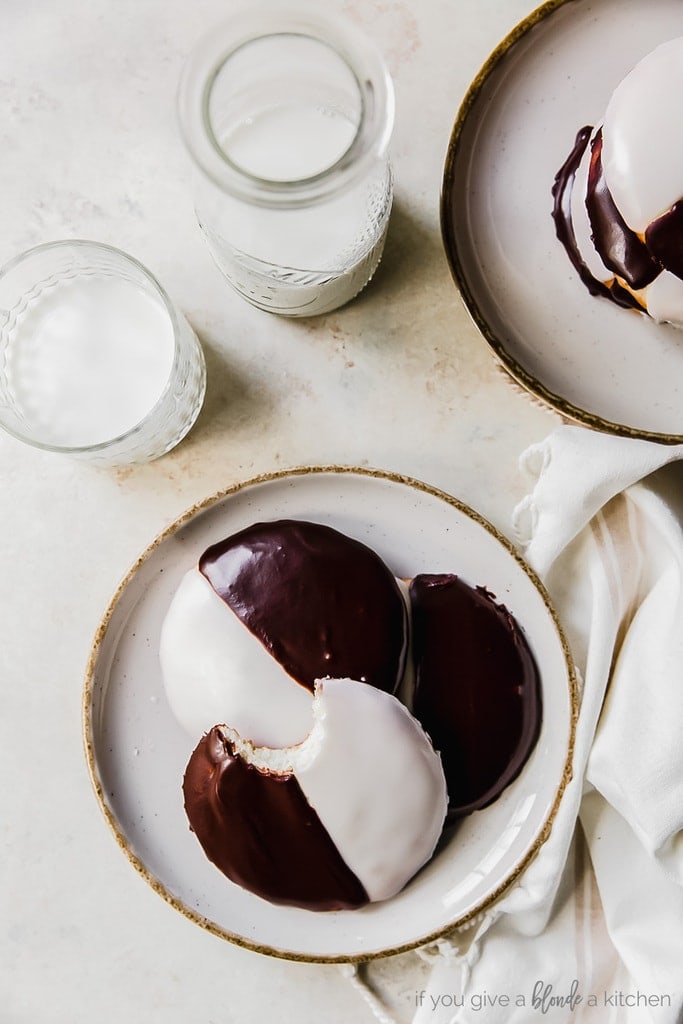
(637, 261)
(564, 228)
(477, 689)
(323, 604)
(618, 246)
(664, 239)
(260, 831)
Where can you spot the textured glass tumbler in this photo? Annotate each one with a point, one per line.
(95, 361)
(287, 115)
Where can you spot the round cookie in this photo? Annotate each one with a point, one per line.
(345, 818)
(268, 611)
(477, 689)
(619, 196)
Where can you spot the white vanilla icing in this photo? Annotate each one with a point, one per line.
(665, 299)
(642, 154)
(215, 670)
(370, 772)
(376, 783)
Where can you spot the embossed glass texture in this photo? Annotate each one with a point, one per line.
(95, 361)
(288, 116)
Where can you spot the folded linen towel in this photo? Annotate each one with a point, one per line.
(592, 933)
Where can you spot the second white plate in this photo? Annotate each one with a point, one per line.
(137, 752)
(610, 369)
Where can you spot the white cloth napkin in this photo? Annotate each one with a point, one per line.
(593, 931)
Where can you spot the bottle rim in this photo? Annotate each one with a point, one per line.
(375, 89)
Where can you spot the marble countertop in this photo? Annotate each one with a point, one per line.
(400, 380)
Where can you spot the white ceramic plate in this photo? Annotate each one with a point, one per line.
(137, 753)
(608, 368)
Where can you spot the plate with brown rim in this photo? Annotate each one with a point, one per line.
(136, 751)
(611, 369)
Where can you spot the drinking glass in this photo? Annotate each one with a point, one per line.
(95, 360)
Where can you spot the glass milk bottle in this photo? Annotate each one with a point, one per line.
(287, 115)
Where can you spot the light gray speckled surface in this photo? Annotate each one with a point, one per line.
(400, 379)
